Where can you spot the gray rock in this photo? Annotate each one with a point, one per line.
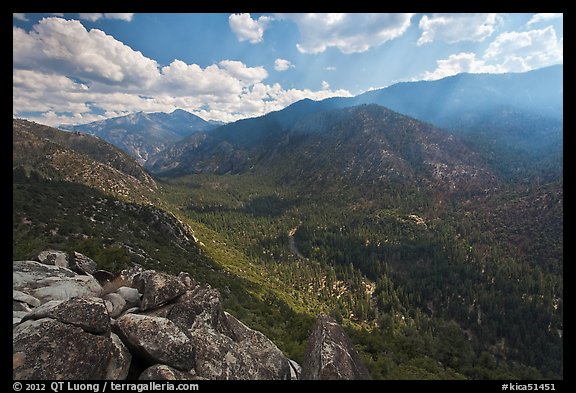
(27, 275)
(330, 354)
(162, 372)
(157, 288)
(56, 288)
(17, 316)
(130, 295)
(295, 370)
(88, 313)
(219, 357)
(156, 340)
(25, 298)
(20, 306)
(43, 311)
(199, 307)
(162, 311)
(49, 349)
(128, 274)
(81, 264)
(53, 257)
(272, 364)
(187, 280)
(120, 359)
(114, 303)
(132, 310)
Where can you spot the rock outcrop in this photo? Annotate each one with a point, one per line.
(81, 264)
(330, 354)
(65, 326)
(156, 340)
(158, 288)
(160, 327)
(49, 349)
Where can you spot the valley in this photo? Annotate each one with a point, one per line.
(439, 251)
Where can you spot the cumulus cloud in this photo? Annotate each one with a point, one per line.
(543, 17)
(509, 52)
(93, 17)
(350, 33)
(527, 50)
(248, 29)
(457, 27)
(20, 16)
(458, 63)
(66, 74)
(247, 75)
(282, 65)
(56, 43)
(325, 85)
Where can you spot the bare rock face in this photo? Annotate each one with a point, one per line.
(55, 288)
(272, 364)
(187, 280)
(120, 358)
(156, 340)
(114, 303)
(130, 295)
(162, 372)
(201, 306)
(330, 354)
(219, 357)
(27, 275)
(46, 282)
(88, 313)
(157, 288)
(81, 264)
(251, 356)
(49, 349)
(25, 298)
(53, 257)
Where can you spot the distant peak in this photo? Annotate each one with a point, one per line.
(177, 111)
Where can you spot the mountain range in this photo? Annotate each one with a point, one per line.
(505, 115)
(426, 217)
(144, 134)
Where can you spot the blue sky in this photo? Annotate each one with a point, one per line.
(78, 68)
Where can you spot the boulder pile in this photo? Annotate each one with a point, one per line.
(144, 324)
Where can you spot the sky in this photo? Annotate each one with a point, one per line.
(79, 68)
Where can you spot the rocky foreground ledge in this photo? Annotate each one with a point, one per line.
(71, 321)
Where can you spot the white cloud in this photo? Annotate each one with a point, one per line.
(64, 73)
(248, 29)
(325, 85)
(93, 17)
(56, 43)
(509, 52)
(181, 79)
(248, 75)
(543, 17)
(20, 16)
(350, 33)
(457, 27)
(459, 63)
(526, 50)
(330, 68)
(282, 65)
